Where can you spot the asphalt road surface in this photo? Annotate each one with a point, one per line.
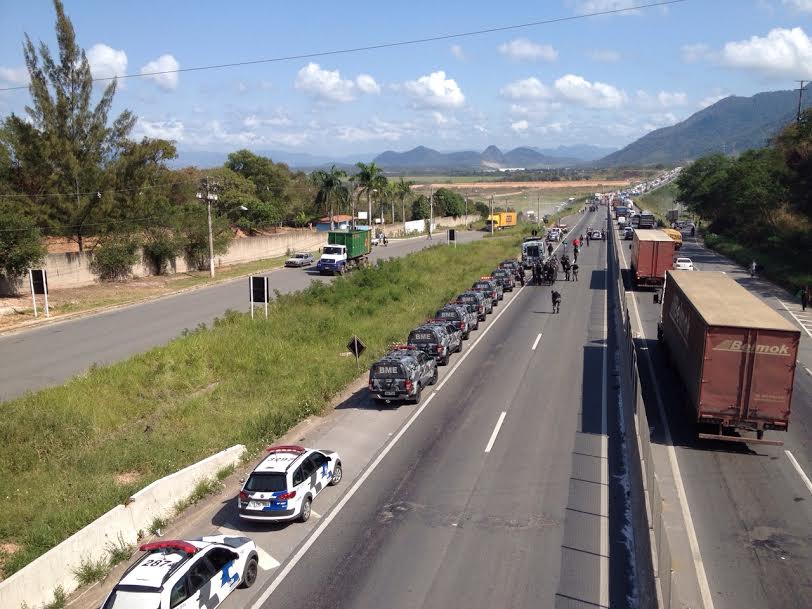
(50, 354)
(750, 506)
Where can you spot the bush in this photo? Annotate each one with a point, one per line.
(196, 237)
(113, 260)
(20, 245)
(160, 247)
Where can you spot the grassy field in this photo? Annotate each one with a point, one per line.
(70, 453)
(660, 201)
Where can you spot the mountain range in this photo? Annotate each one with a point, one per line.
(731, 126)
(422, 158)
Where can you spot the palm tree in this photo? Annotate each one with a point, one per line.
(368, 179)
(327, 182)
(403, 189)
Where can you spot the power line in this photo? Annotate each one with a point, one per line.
(385, 45)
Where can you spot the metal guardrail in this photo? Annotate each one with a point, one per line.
(649, 499)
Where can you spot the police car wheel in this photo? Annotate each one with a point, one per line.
(338, 474)
(417, 395)
(434, 377)
(304, 514)
(249, 574)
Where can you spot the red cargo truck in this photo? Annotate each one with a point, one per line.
(652, 255)
(734, 354)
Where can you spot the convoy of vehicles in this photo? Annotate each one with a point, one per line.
(174, 573)
(489, 287)
(652, 256)
(285, 483)
(735, 355)
(460, 315)
(345, 250)
(433, 340)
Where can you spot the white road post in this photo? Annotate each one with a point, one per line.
(33, 295)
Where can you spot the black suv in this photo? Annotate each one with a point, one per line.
(401, 374)
(460, 315)
(433, 341)
(480, 300)
(505, 278)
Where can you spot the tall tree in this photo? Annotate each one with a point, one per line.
(65, 152)
(403, 189)
(328, 182)
(368, 179)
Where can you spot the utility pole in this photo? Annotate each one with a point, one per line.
(491, 214)
(538, 209)
(431, 209)
(210, 195)
(800, 98)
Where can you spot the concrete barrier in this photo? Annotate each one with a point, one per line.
(34, 585)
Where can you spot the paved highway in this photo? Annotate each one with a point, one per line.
(52, 353)
(493, 492)
(749, 504)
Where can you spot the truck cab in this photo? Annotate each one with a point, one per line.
(333, 259)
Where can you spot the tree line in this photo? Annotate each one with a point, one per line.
(762, 198)
(69, 169)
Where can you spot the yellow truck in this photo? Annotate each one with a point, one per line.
(501, 220)
(675, 235)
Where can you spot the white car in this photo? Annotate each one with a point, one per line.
(177, 574)
(300, 259)
(596, 234)
(683, 264)
(285, 483)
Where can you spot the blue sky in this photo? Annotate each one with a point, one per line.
(601, 80)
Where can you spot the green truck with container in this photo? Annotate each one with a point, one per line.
(345, 250)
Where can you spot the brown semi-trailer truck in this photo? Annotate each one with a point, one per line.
(652, 255)
(735, 355)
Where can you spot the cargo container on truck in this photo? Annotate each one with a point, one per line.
(345, 250)
(734, 354)
(652, 256)
(501, 220)
(647, 220)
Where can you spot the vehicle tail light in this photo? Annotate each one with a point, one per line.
(438, 348)
(286, 496)
(243, 496)
(462, 325)
(408, 385)
(370, 385)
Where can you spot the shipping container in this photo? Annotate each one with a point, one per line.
(501, 220)
(652, 255)
(734, 354)
(357, 242)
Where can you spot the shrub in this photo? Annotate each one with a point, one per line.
(90, 571)
(113, 260)
(20, 245)
(160, 247)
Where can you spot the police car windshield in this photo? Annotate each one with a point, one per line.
(266, 482)
(124, 599)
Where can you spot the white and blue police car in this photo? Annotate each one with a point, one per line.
(178, 574)
(284, 485)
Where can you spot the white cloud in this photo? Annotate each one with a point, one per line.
(367, 84)
(527, 89)
(14, 76)
(710, 100)
(164, 63)
(252, 121)
(802, 6)
(376, 131)
(584, 7)
(592, 95)
(604, 55)
(521, 49)
(663, 99)
(167, 130)
(439, 118)
(435, 91)
(107, 62)
(324, 84)
(242, 87)
(781, 54)
(692, 53)
(520, 126)
(456, 51)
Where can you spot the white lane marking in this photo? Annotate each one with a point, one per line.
(339, 506)
(495, 431)
(536, 343)
(795, 317)
(808, 371)
(702, 578)
(800, 470)
(266, 561)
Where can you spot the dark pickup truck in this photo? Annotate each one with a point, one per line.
(401, 374)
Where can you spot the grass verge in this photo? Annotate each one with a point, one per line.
(660, 201)
(791, 272)
(241, 381)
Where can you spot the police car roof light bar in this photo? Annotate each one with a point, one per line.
(170, 544)
(286, 448)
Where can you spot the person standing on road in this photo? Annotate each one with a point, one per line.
(549, 249)
(556, 301)
(587, 239)
(753, 267)
(806, 297)
(575, 271)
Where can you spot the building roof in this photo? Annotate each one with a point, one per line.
(650, 234)
(721, 301)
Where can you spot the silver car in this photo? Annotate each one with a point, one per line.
(300, 259)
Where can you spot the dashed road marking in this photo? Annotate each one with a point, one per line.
(266, 561)
(536, 343)
(495, 431)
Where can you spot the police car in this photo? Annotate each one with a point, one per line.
(284, 485)
(177, 574)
